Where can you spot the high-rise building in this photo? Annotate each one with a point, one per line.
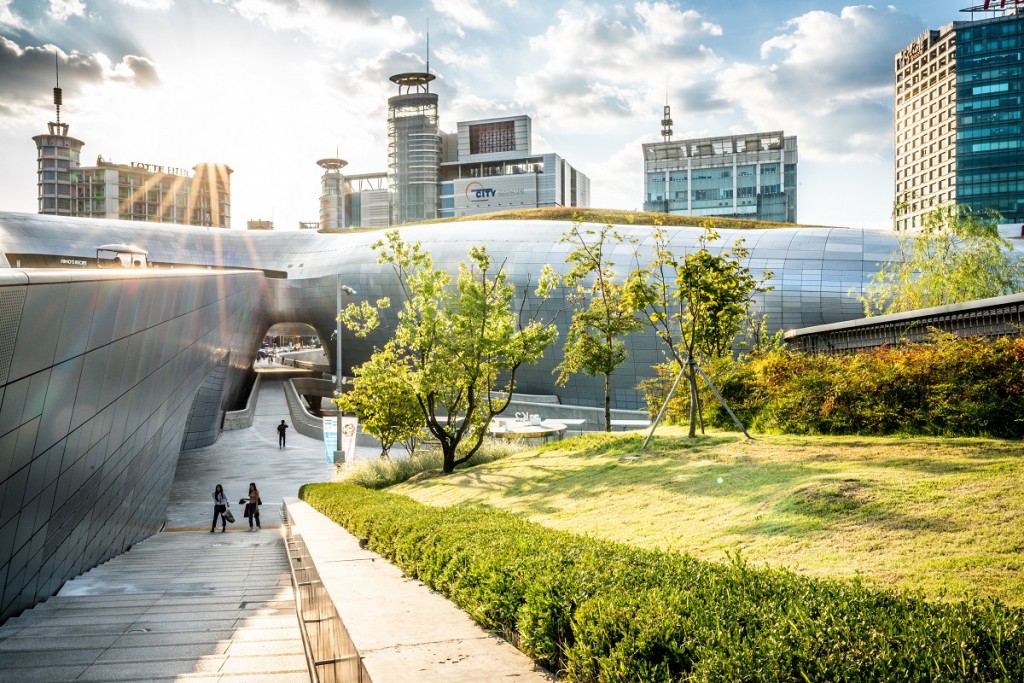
(414, 149)
(489, 166)
(135, 191)
(750, 176)
(959, 135)
(147, 192)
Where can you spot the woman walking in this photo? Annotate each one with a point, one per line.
(220, 506)
(252, 507)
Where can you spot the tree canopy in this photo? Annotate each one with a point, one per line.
(955, 256)
(605, 311)
(461, 342)
(696, 303)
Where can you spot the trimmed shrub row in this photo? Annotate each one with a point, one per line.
(950, 387)
(592, 610)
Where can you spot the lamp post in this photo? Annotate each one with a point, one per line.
(346, 290)
(342, 289)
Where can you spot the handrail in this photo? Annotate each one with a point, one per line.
(331, 657)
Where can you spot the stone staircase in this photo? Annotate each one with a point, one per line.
(179, 606)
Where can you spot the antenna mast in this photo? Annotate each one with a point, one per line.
(57, 128)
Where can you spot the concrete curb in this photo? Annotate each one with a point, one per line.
(402, 630)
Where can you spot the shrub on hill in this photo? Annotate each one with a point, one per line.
(952, 386)
(594, 610)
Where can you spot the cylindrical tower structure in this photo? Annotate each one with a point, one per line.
(414, 149)
(332, 194)
(58, 157)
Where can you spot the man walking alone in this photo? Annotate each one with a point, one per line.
(281, 428)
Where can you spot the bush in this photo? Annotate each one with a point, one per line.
(380, 474)
(952, 386)
(594, 610)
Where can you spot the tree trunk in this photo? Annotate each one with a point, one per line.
(449, 458)
(607, 403)
(691, 376)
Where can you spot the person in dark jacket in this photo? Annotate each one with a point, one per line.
(220, 506)
(281, 429)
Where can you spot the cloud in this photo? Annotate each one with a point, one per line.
(148, 4)
(62, 10)
(8, 17)
(23, 69)
(465, 13)
(828, 80)
(598, 63)
(337, 25)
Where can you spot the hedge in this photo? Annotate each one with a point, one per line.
(593, 610)
(952, 386)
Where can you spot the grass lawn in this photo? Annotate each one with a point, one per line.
(940, 516)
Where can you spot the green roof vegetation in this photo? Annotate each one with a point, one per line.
(602, 216)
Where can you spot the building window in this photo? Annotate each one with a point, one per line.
(488, 138)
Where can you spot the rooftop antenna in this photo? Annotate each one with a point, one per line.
(428, 45)
(57, 128)
(666, 120)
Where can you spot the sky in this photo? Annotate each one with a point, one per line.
(268, 87)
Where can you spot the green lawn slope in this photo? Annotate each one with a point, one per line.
(939, 516)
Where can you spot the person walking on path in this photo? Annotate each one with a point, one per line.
(220, 506)
(281, 428)
(252, 506)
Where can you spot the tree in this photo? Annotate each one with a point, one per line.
(605, 310)
(697, 304)
(462, 344)
(955, 256)
(382, 397)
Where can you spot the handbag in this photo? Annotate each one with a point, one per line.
(228, 516)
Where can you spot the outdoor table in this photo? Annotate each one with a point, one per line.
(519, 429)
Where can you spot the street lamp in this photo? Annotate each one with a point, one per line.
(346, 290)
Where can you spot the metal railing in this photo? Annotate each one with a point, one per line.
(330, 653)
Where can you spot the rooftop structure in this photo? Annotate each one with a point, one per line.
(749, 176)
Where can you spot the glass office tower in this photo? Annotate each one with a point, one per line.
(414, 149)
(990, 132)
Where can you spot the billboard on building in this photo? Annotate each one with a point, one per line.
(495, 193)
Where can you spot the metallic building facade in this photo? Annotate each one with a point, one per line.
(106, 374)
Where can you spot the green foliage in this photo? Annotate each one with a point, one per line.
(605, 311)
(383, 398)
(696, 304)
(461, 342)
(956, 256)
(593, 610)
(950, 387)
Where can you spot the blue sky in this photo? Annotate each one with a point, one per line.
(270, 86)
